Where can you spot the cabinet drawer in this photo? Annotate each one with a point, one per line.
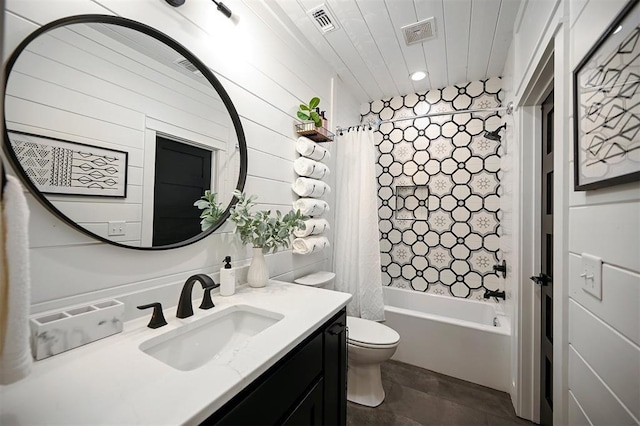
(276, 391)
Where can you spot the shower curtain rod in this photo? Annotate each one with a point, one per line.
(508, 109)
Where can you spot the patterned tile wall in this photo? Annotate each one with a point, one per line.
(445, 176)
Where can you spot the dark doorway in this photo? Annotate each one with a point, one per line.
(183, 173)
(545, 279)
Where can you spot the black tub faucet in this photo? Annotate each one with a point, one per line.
(185, 308)
(495, 293)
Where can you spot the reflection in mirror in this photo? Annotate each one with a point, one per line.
(121, 133)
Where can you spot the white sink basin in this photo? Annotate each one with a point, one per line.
(193, 345)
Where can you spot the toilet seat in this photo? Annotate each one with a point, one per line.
(370, 334)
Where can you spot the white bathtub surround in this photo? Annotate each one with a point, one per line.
(113, 382)
(15, 358)
(307, 187)
(312, 227)
(308, 148)
(311, 206)
(308, 245)
(309, 168)
(356, 254)
(56, 332)
(443, 174)
(452, 336)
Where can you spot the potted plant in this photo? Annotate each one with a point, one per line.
(265, 233)
(308, 112)
(211, 209)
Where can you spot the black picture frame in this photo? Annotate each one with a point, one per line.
(606, 106)
(63, 167)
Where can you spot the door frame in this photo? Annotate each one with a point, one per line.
(551, 68)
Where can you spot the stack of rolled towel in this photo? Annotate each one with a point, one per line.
(310, 188)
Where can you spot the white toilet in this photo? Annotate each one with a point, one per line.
(369, 343)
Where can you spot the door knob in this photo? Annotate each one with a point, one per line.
(542, 279)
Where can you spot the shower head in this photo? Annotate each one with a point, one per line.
(495, 136)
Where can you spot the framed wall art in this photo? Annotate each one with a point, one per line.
(56, 166)
(606, 113)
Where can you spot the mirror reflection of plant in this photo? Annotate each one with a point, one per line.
(307, 112)
(262, 230)
(211, 209)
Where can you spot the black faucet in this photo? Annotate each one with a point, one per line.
(185, 308)
(157, 319)
(494, 293)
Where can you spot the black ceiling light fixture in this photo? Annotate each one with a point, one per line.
(221, 6)
(495, 136)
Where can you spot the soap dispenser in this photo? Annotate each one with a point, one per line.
(227, 278)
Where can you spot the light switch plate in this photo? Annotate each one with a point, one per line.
(592, 275)
(117, 228)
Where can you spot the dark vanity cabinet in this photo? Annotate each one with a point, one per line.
(308, 386)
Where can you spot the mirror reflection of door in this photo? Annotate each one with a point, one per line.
(182, 174)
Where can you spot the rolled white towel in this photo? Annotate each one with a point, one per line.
(306, 187)
(309, 168)
(311, 206)
(309, 245)
(308, 148)
(312, 227)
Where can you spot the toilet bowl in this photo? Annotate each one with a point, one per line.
(369, 344)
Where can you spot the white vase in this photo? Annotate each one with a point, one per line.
(258, 273)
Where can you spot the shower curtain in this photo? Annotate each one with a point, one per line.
(356, 255)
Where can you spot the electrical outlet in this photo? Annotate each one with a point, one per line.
(592, 275)
(117, 228)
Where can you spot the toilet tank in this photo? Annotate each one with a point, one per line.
(320, 279)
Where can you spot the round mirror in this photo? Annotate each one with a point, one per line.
(118, 130)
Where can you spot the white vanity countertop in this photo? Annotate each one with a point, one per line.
(111, 381)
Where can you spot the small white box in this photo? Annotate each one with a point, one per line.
(56, 332)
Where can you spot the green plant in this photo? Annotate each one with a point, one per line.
(308, 112)
(211, 209)
(259, 228)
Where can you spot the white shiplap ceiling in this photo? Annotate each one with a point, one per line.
(369, 53)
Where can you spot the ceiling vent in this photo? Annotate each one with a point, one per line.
(187, 65)
(323, 18)
(420, 31)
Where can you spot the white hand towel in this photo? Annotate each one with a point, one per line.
(311, 207)
(16, 359)
(312, 227)
(309, 168)
(309, 245)
(308, 148)
(306, 187)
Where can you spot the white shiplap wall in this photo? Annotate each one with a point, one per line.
(266, 72)
(604, 335)
(598, 372)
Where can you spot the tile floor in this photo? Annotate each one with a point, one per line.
(416, 396)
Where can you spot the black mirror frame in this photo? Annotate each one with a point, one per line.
(152, 32)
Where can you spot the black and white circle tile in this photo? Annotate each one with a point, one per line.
(439, 190)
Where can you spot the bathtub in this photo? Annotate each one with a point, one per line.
(462, 338)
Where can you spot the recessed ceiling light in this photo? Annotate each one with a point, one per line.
(418, 75)
(618, 29)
